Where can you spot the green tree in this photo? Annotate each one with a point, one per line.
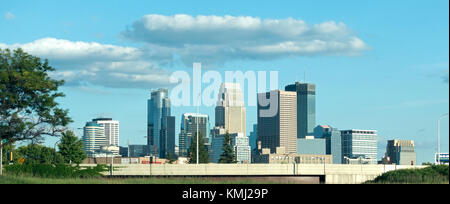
(39, 154)
(28, 109)
(202, 152)
(10, 148)
(170, 157)
(71, 148)
(227, 156)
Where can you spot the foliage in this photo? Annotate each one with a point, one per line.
(228, 155)
(202, 152)
(55, 171)
(8, 148)
(28, 110)
(170, 157)
(39, 154)
(71, 148)
(430, 174)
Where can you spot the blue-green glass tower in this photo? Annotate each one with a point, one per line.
(160, 124)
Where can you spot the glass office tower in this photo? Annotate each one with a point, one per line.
(306, 108)
(189, 130)
(359, 146)
(158, 126)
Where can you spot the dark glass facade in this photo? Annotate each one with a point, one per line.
(306, 108)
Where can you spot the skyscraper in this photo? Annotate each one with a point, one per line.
(359, 146)
(230, 117)
(230, 109)
(189, 129)
(306, 107)
(253, 137)
(93, 138)
(281, 129)
(333, 142)
(159, 123)
(111, 128)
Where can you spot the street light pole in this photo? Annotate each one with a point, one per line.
(198, 105)
(439, 137)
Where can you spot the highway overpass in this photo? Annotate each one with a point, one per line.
(325, 173)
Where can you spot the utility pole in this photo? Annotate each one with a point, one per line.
(439, 137)
(198, 105)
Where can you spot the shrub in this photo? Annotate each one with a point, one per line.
(430, 174)
(55, 171)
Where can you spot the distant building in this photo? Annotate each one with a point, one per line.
(311, 145)
(160, 124)
(280, 157)
(306, 107)
(242, 149)
(93, 138)
(189, 130)
(359, 146)
(333, 140)
(401, 152)
(230, 109)
(253, 137)
(217, 145)
(111, 128)
(279, 130)
(123, 151)
(138, 150)
(230, 116)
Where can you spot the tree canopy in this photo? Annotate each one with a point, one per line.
(28, 107)
(202, 151)
(71, 148)
(228, 155)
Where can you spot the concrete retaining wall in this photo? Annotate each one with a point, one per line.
(334, 173)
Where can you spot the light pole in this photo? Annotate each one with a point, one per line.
(198, 105)
(439, 137)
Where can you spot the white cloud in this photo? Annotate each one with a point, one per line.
(218, 39)
(80, 62)
(9, 16)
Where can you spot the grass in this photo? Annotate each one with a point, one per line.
(434, 174)
(12, 179)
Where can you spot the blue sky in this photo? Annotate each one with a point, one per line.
(395, 81)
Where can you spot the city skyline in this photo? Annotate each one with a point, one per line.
(395, 81)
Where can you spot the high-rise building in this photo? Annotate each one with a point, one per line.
(189, 130)
(168, 136)
(93, 138)
(333, 140)
(111, 128)
(401, 152)
(230, 118)
(359, 146)
(281, 129)
(253, 137)
(160, 126)
(230, 109)
(306, 107)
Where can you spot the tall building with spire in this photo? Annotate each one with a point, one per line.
(230, 117)
(230, 109)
